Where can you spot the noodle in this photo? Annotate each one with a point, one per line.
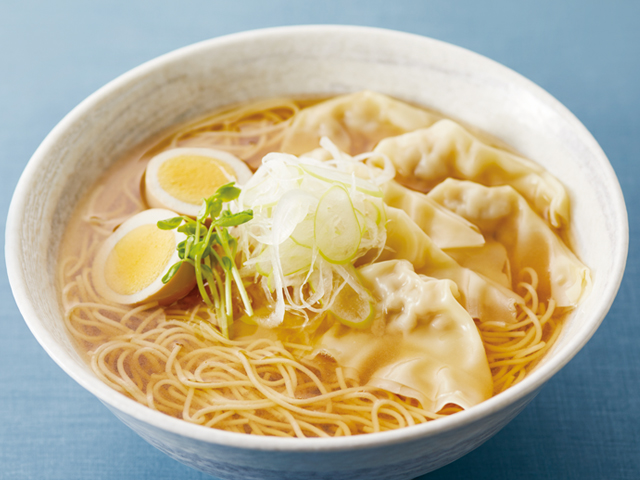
(173, 360)
(247, 131)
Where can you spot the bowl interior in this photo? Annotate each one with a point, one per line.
(301, 61)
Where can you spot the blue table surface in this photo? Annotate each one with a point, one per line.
(586, 422)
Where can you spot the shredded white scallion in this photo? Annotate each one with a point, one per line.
(312, 220)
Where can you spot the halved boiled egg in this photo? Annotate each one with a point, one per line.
(130, 264)
(178, 179)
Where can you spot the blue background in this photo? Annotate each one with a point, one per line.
(586, 422)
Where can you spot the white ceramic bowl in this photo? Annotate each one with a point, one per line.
(295, 61)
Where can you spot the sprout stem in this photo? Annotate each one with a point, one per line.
(201, 253)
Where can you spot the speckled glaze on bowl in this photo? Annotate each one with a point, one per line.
(296, 61)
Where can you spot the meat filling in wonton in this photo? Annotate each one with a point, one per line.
(425, 157)
(355, 122)
(503, 215)
(430, 348)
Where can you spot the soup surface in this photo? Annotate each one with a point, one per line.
(379, 266)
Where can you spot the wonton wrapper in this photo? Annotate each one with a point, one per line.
(481, 297)
(504, 215)
(490, 260)
(456, 236)
(355, 123)
(430, 349)
(426, 157)
(447, 230)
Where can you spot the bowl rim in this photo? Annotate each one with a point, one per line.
(528, 387)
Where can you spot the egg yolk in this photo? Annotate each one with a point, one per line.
(190, 178)
(138, 259)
